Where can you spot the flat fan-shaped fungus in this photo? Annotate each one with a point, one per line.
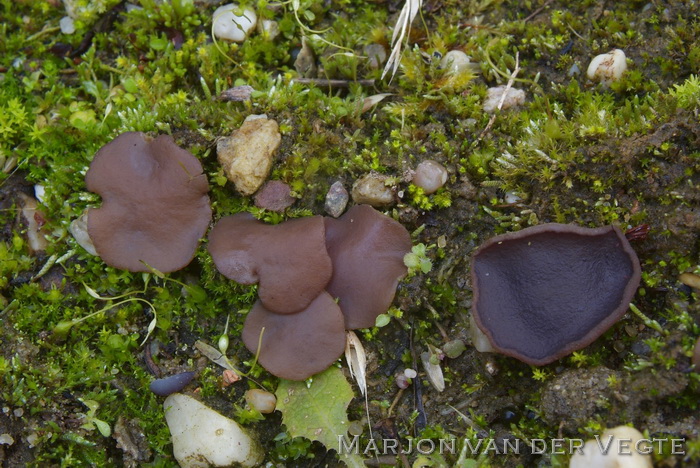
(367, 249)
(288, 260)
(155, 206)
(546, 291)
(297, 346)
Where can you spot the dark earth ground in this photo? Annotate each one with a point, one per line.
(629, 155)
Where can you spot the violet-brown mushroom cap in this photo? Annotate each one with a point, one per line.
(367, 249)
(297, 346)
(155, 206)
(546, 291)
(288, 260)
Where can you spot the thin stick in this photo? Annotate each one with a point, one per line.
(537, 12)
(323, 82)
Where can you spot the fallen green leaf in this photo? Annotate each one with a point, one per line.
(319, 411)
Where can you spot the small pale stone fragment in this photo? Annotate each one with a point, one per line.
(690, 279)
(6, 439)
(305, 63)
(275, 195)
(433, 371)
(34, 219)
(621, 444)
(270, 29)
(574, 70)
(247, 154)
(67, 25)
(376, 55)
(514, 97)
(455, 61)
(203, 438)
(40, 193)
(237, 93)
(79, 230)
(263, 401)
(607, 68)
(371, 189)
(229, 26)
(336, 199)
(430, 176)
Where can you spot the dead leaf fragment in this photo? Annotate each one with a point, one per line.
(357, 360)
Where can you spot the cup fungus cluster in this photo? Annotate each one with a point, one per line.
(546, 291)
(316, 278)
(155, 206)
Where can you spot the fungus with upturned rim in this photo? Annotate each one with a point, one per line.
(288, 260)
(367, 250)
(297, 346)
(155, 206)
(546, 291)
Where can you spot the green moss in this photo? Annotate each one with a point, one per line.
(573, 152)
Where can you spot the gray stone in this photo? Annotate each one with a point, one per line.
(336, 199)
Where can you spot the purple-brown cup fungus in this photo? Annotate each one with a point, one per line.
(155, 206)
(546, 291)
(316, 278)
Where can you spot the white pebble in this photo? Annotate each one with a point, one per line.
(514, 97)
(39, 192)
(261, 400)
(230, 27)
(202, 437)
(430, 176)
(621, 443)
(607, 68)
(455, 61)
(67, 25)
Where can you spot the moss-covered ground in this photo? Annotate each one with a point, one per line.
(574, 153)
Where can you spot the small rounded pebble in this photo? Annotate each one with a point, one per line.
(371, 189)
(454, 348)
(336, 199)
(355, 428)
(229, 26)
(514, 97)
(261, 400)
(237, 93)
(402, 381)
(430, 176)
(230, 377)
(172, 384)
(607, 68)
(455, 61)
(410, 373)
(690, 279)
(67, 25)
(275, 195)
